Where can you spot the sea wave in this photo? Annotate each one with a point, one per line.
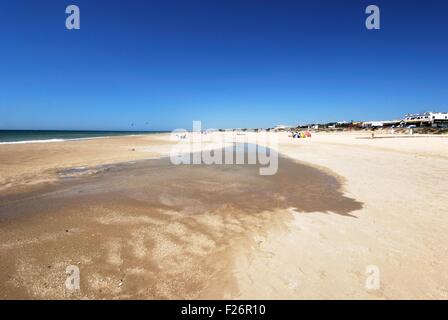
(48, 140)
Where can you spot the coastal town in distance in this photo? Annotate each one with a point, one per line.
(426, 122)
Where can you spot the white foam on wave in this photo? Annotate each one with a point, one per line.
(73, 139)
(49, 140)
(32, 141)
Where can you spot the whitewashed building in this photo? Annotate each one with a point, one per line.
(435, 119)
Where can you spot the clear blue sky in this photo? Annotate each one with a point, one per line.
(230, 63)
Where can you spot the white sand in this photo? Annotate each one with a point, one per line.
(402, 228)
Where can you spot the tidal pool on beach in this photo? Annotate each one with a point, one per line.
(151, 229)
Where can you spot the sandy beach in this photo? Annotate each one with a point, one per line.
(139, 227)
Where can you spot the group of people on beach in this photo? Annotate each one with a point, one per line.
(301, 135)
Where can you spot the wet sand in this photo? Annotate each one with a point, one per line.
(23, 166)
(149, 229)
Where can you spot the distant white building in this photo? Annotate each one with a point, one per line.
(427, 118)
(380, 124)
(282, 127)
(373, 124)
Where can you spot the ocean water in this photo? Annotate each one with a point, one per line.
(40, 136)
